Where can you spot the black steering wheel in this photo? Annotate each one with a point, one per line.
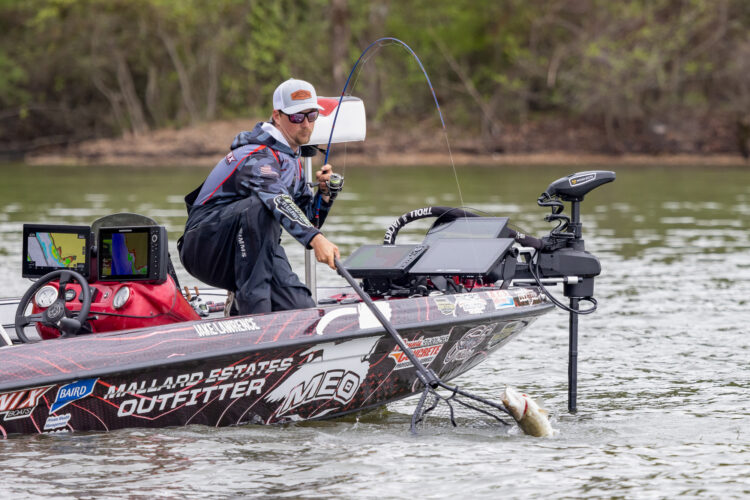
(67, 322)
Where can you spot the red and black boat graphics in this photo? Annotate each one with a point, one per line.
(272, 368)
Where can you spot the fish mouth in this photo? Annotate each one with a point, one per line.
(514, 403)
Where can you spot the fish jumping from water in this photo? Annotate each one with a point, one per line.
(530, 417)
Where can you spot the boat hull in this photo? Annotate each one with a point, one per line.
(273, 368)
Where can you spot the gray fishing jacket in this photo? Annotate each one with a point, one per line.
(260, 164)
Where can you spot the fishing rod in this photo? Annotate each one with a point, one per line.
(356, 64)
(338, 180)
(429, 379)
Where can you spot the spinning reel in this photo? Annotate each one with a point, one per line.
(335, 184)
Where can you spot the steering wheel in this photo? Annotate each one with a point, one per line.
(67, 322)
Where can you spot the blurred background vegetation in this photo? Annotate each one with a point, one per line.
(650, 76)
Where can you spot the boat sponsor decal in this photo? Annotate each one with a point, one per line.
(264, 367)
(142, 387)
(366, 318)
(526, 297)
(72, 392)
(190, 380)
(425, 349)
(286, 206)
(142, 405)
(471, 303)
(56, 421)
(445, 305)
(582, 178)
(465, 347)
(331, 376)
(506, 332)
(21, 404)
(189, 389)
(226, 326)
(501, 298)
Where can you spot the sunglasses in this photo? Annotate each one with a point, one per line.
(300, 117)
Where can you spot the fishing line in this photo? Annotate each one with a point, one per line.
(383, 42)
(346, 144)
(359, 69)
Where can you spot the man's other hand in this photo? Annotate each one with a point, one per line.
(322, 176)
(325, 251)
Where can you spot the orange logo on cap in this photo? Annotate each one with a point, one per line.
(301, 95)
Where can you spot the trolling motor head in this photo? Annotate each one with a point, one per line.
(575, 186)
(563, 254)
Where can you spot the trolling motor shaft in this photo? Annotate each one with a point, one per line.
(564, 254)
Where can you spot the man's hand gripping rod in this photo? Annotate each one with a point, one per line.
(335, 184)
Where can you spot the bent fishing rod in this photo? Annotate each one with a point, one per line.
(427, 376)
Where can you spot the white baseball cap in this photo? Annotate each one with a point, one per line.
(294, 96)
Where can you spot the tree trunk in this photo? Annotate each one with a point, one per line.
(153, 99)
(340, 35)
(182, 76)
(376, 25)
(127, 89)
(114, 100)
(212, 93)
(491, 127)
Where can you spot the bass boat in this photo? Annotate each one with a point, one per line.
(105, 338)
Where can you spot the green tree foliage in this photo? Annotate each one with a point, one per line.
(75, 69)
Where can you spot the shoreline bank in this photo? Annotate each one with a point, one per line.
(203, 145)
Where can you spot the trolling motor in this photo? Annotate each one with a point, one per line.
(562, 253)
(563, 258)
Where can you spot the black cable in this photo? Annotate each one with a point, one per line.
(557, 302)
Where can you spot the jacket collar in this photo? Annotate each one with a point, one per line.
(264, 133)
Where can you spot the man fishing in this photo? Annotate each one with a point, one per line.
(233, 232)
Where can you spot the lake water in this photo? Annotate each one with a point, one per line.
(664, 364)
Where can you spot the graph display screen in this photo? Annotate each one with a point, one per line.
(48, 248)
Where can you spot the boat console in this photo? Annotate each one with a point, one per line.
(456, 252)
(120, 254)
(112, 275)
(462, 250)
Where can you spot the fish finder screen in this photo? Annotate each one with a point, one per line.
(48, 248)
(468, 227)
(381, 260)
(123, 253)
(462, 256)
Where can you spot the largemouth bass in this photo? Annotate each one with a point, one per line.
(530, 417)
